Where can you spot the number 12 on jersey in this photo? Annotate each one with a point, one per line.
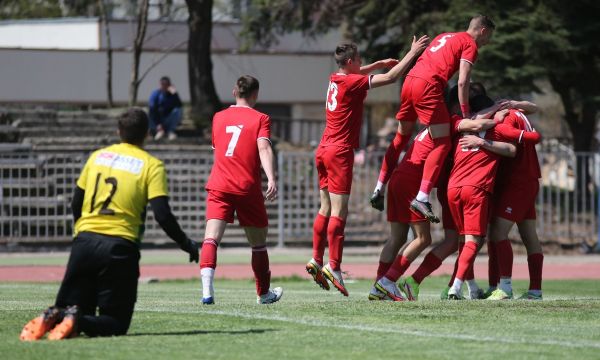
(236, 130)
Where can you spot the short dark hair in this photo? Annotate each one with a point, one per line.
(165, 78)
(133, 126)
(452, 97)
(483, 21)
(480, 102)
(345, 52)
(246, 85)
(477, 88)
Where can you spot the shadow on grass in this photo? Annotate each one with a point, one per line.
(205, 332)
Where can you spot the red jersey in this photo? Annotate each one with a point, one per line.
(442, 57)
(344, 109)
(477, 167)
(236, 168)
(525, 165)
(417, 153)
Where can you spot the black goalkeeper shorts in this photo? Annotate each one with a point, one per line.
(102, 272)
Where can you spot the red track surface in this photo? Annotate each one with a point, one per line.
(555, 271)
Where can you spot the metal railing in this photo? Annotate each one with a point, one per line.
(36, 189)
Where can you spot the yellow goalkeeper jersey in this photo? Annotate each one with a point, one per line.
(118, 181)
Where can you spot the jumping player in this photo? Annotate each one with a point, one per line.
(109, 209)
(241, 142)
(422, 97)
(335, 155)
(470, 187)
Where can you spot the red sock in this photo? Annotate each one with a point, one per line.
(493, 272)
(536, 264)
(319, 237)
(460, 248)
(390, 160)
(382, 269)
(398, 268)
(208, 255)
(260, 266)
(470, 274)
(466, 259)
(335, 233)
(505, 258)
(434, 163)
(429, 265)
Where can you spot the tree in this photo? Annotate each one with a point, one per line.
(204, 99)
(138, 43)
(109, 63)
(553, 40)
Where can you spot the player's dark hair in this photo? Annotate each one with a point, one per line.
(452, 97)
(133, 126)
(345, 52)
(165, 78)
(480, 102)
(246, 85)
(483, 21)
(476, 88)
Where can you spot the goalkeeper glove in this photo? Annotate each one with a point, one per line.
(191, 247)
(377, 200)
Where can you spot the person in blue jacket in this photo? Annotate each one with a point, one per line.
(165, 110)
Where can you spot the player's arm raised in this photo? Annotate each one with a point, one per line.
(497, 147)
(402, 67)
(265, 152)
(464, 79)
(526, 107)
(377, 65)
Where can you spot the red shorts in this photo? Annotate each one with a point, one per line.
(250, 209)
(334, 166)
(447, 219)
(402, 189)
(515, 201)
(422, 100)
(469, 206)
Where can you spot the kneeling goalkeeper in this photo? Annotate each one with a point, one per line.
(109, 209)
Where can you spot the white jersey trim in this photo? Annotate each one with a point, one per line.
(470, 62)
(265, 138)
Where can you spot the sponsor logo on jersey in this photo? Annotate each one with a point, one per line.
(120, 162)
(508, 210)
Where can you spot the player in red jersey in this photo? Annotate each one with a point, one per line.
(241, 142)
(404, 184)
(514, 202)
(470, 187)
(335, 155)
(422, 98)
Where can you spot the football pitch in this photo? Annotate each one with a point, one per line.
(170, 323)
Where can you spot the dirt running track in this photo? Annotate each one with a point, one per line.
(552, 271)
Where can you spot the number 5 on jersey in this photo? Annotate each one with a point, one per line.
(236, 130)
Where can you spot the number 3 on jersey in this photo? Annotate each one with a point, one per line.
(332, 92)
(236, 130)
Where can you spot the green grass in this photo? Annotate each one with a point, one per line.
(169, 323)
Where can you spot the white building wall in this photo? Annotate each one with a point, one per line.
(51, 34)
(80, 76)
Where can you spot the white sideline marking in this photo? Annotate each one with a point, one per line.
(571, 344)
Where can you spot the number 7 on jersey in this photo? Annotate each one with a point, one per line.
(236, 130)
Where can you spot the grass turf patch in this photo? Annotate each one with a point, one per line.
(169, 322)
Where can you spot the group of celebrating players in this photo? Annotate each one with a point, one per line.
(467, 142)
(99, 289)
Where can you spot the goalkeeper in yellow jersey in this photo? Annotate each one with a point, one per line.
(109, 209)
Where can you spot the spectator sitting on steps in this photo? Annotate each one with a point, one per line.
(164, 110)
